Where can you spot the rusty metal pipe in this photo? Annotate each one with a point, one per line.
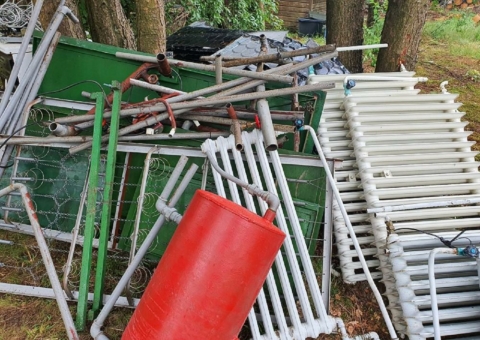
(163, 65)
(278, 57)
(236, 129)
(284, 69)
(196, 66)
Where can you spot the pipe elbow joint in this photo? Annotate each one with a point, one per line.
(96, 332)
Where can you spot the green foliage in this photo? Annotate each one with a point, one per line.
(458, 31)
(372, 34)
(240, 14)
(474, 75)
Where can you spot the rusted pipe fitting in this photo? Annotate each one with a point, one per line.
(236, 128)
(60, 130)
(149, 78)
(163, 65)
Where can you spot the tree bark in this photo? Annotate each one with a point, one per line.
(402, 32)
(108, 23)
(67, 27)
(151, 30)
(345, 28)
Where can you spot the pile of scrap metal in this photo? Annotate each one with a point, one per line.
(291, 305)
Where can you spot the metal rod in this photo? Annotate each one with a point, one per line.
(354, 239)
(284, 69)
(278, 57)
(34, 65)
(21, 55)
(433, 287)
(218, 69)
(269, 198)
(90, 214)
(46, 257)
(138, 216)
(209, 68)
(95, 330)
(236, 129)
(243, 114)
(196, 103)
(107, 198)
(75, 232)
(272, 57)
(81, 139)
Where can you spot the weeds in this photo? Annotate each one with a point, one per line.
(458, 32)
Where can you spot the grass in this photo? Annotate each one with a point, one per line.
(449, 51)
(458, 31)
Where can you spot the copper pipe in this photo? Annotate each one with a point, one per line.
(236, 129)
(163, 65)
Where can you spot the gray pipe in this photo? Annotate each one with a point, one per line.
(272, 200)
(46, 257)
(208, 68)
(197, 103)
(34, 65)
(27, 96)
(284, 69)
(82, 139)
(268, 131)
(60, 130)
(218, 69)
(95, 330)
(276, 115)
(21, 55)
(213, 100)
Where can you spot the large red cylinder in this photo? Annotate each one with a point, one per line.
(210, 274)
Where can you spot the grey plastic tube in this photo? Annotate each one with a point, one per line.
(95, 330)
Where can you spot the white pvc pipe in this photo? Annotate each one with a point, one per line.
(349, 226)
(433, 287)
(361, 47)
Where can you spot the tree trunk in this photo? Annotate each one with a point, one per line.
(402, 32)
(345, 28)
(108, 23)
(151, 30)
(67, 27)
